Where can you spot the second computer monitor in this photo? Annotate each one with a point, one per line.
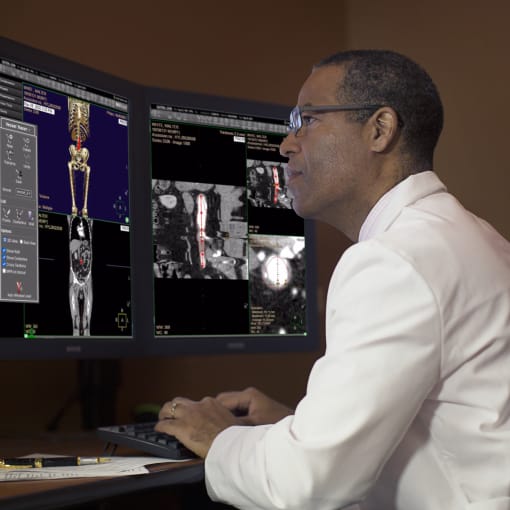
(231, 262)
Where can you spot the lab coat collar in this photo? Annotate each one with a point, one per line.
(389, 206)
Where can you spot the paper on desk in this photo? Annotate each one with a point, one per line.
(118, 466)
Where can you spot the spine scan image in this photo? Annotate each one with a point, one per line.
(200, 230)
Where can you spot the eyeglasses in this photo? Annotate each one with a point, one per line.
(296, 120)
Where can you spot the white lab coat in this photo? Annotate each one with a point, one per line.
(409, 408)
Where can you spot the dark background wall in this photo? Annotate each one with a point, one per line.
(263, 51)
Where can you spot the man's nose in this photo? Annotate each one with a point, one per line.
(288, 145)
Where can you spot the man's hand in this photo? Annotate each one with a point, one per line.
(195, 424)
(254, 407)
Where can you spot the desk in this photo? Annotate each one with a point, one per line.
(55, 494)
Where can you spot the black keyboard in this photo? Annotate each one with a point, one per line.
(143, 437)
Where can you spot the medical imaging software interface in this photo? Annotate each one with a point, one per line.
(228, 250)
(64, 197)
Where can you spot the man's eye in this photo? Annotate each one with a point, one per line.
(307, 119)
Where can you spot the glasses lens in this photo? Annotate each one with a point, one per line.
(295, 120)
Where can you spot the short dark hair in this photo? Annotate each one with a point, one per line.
(391, 79)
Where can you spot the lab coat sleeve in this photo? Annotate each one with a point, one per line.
(382, 358)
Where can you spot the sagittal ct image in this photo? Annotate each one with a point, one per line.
(199, 230)
(277, 290)
(266, 184)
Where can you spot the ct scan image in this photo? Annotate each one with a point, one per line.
(199, 230)
(266, 184)
(277, 290)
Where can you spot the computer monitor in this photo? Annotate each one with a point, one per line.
(233, 268)
(66, 181)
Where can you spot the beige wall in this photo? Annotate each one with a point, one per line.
(465, 45)
(263, 53)
(259, 51)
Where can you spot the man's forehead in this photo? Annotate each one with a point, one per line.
(321, 86)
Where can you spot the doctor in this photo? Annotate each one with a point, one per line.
(409, 408)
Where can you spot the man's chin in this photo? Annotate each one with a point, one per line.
(300, 211)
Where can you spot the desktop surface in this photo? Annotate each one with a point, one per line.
(64, 493)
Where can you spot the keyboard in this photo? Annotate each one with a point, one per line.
(143, 437)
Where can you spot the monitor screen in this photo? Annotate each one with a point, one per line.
(65, 282)
(231, 261)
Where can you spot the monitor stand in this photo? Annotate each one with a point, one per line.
(96, 392)
(98, 381)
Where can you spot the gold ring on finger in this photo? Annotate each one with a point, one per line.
(173, 407)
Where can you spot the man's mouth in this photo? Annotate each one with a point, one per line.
(291, 174)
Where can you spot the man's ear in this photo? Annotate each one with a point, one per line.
(383, 129)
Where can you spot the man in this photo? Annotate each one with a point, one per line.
(409, 408)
